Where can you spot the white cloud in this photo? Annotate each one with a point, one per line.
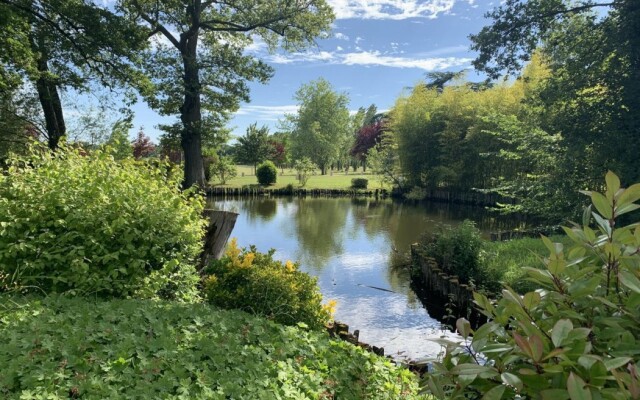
(339, 48)
(341, 36)
(427, 64)
(300, 57)
(267, 113)
(372, 58)
(390, 9)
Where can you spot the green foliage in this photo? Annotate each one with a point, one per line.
(456, 250)
(119, 139)
(504, 263)
(267, 173)
(253, 147)
(254, 282)
(223, 169)
(90, 225)
(359, 183)
(134, 349)
(215, 69)
(304, 168)
(321, 129)
(577, 337)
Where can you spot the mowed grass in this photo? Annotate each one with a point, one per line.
(335, 180)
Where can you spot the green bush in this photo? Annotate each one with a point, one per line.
(61, 348)
(222, 169)
(267, 173)
(90, 225)
(359, 183)
(577, 337)
(457, 251)
(254, 282)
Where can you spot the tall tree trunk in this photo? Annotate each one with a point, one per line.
(49, 99)
(191, 115)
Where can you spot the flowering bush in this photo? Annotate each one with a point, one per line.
(255, 282)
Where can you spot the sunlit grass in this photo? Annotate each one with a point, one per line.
(332, 180)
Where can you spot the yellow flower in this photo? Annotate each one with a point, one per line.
(210, 281)
(290, 266)
(330, 307)
(232, 249)
(248, 260)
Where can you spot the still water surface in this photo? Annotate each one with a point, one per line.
(352, 246)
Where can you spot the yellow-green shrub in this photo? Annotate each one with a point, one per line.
(90, 225)
(255, 282)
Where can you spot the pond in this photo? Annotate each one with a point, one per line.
(354, 247)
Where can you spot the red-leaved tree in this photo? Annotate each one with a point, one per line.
(367, 137)
(142, 146)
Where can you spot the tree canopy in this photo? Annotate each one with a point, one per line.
(321, 129)
(198, 62)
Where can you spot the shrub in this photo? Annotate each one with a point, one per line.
(457, 251)
(223, 169)
(578, 337)
(267, 173)
(61, 348)
(304, 168)
(359, 183)
(256, 283)
(91, 225)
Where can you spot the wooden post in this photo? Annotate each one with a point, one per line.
(219, 229)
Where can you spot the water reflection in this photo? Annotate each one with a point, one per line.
(354, 247)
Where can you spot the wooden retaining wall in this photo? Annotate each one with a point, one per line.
(441, 289)
(297, 192)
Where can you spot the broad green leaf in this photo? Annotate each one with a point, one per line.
(602, 223)
(613, 184)
(560, 331)
(618, 362)
(464, 327)
(470, 369)
(494, 393)
(602, 205)
(626, 209)
(511, 380)
(531, 300)
(629, 280)
(630, 195)
(576, 388)
(537, 347)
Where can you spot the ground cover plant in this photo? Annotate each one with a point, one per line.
(131, 349)
(577, 336)
(86, 224)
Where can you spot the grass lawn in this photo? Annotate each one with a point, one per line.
(339, 180)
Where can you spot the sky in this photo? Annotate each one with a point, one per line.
(377, 50)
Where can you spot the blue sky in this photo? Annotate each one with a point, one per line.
(377, 49)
